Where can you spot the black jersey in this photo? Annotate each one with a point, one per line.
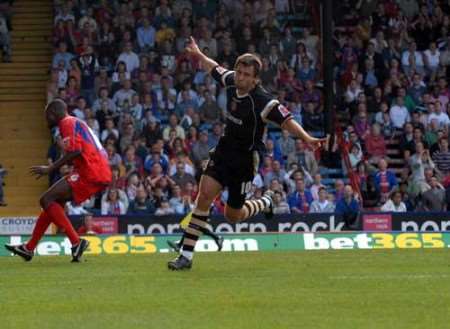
(248, 114)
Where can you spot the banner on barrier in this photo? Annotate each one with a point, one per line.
(18, 225)
(148, 225)
(150, 244)
(257, 224)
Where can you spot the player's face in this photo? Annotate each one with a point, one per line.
(245, 78)
(51, 119)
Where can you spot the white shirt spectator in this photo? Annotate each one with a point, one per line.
(390, 206)
(399, 116)
(432, 58)
(130, 59)
(321, 207)
(122, 94)
(106, 133)
(442, 119)
(418, 59)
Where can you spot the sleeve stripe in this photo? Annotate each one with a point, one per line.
(265, 112)
(224, 76)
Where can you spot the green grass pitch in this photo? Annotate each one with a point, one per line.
(333, 289)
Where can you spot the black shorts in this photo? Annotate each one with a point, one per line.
(234, 170)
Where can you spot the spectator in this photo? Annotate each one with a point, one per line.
(123, 97)
(303, 158)
(209, 110)
(394, 203)
(439, 116)
(375, 144)
(103, 96)
(141, 205)
(182, 204)
(316, 186)
(146, 36)
(112, 204)
(110, 130)
(286, 143)
(88, 66)
(277, 172)
(164, 208)
(442, 158)
(322, 204)
(181, 178)
(366, 183)
(62, 55)
(419, 162)
(339, 186)
(348, 208)
(399, 114)
(355, 156)
(434, 199)
(280, 206)
(173, 125)
(200, 149)
(89, 226)
(300, 200)
(166, 96)
(385, 180)
(412, 60)
(129, 57)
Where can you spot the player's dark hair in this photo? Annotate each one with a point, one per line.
(57, 106)
(250, 60)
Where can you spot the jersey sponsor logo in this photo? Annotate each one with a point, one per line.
(233, 119)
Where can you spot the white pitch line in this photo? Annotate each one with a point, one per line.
(389, 276)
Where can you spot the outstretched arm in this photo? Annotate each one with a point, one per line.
(297, 130)
(192, 49)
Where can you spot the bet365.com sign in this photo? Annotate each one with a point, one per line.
(150, 244)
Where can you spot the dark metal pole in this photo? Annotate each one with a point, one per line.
(327, 66)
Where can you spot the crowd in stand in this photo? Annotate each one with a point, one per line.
(121, 67)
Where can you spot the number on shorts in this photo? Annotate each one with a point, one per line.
(246, 187)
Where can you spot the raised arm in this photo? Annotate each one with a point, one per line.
(192, 49)
(297, 130)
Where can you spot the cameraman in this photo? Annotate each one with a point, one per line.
(3, 173)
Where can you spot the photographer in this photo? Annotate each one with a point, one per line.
(3, 173)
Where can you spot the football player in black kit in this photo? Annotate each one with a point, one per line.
(234, 161)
